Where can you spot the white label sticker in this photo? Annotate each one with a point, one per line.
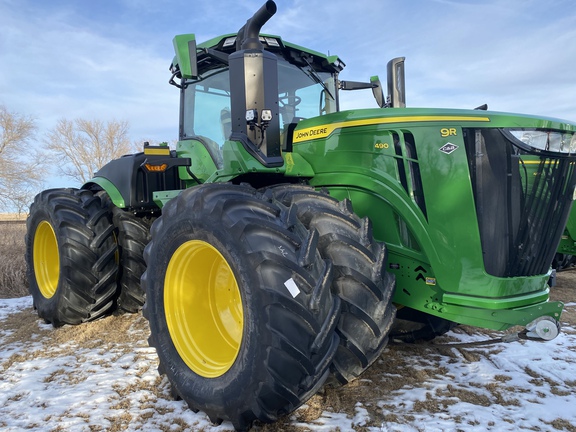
(291, 285)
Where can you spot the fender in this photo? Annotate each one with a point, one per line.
(131, 180)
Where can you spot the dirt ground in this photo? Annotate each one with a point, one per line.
(400, 367)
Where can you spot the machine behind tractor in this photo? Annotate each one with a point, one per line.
(273, 247)
(566, 254)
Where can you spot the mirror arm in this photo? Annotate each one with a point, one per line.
(355, 85)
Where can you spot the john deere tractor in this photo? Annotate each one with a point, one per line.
(273, 247)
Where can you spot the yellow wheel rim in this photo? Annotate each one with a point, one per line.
(46, 259)
(203, 308)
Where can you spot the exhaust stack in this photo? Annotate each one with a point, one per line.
(249, 35)
(396, 87)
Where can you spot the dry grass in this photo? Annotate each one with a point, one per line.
(13, 281)
(13, 216)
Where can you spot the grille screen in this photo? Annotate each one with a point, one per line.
(522, 198)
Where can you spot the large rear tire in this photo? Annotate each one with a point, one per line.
(70, 256)
(239, 304)
(361, 281)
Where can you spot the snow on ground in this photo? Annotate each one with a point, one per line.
(102, 376)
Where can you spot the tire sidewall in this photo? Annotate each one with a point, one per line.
(47, 307)
(86, 250)
(243, 374)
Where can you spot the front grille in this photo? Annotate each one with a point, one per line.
(523, 199)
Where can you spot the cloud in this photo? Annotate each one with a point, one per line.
(68, 70)
(515, 55)
(512, 54)
(109, 59)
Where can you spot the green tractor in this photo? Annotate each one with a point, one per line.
(277, 248)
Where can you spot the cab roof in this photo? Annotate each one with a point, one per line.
(215, 51)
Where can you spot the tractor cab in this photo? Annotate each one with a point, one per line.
(307, 87)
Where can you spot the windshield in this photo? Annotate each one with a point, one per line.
(302, 93)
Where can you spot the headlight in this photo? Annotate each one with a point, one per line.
(554, 141)
(573, 143)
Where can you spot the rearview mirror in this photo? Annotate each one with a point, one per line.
(396, 89)
(377, 90)
(185, 48)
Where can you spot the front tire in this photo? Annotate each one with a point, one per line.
(70, 256)
(239, 304)
(361, 281)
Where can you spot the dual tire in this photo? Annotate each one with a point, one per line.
(84, 256)
(71, 256)
(268, 294)
(361, 281)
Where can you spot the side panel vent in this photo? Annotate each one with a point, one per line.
(409, 168)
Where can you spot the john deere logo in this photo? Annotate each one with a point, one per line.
(448, 148)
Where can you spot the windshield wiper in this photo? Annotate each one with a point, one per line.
(314, 76)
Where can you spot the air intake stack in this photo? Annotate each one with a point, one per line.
(254, 91)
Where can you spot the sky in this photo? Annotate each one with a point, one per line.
(109, 59)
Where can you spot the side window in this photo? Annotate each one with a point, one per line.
(187, 112)
(208, 111)
(206, 108)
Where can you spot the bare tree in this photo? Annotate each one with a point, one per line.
(84, 146)
(139, 143)
(21, 167)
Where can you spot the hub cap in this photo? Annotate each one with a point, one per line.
(46, 259)
(203, 308)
